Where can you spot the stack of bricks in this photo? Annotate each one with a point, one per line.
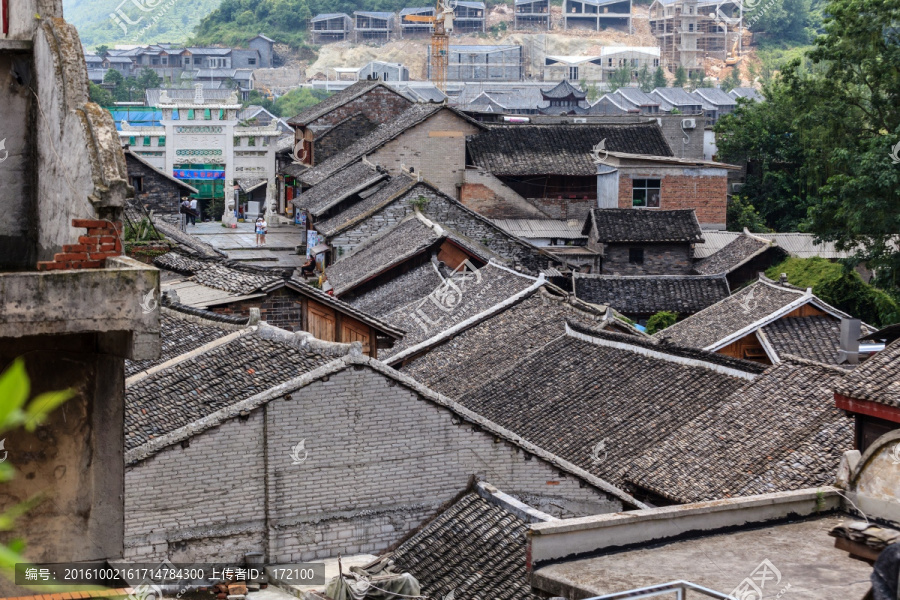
(103, 240)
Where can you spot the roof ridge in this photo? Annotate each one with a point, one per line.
(688, 276)
(472, 321)
(793, 358)
(672, 353)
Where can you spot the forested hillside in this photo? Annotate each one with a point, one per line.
(153, 20)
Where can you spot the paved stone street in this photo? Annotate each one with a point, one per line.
(240, 243)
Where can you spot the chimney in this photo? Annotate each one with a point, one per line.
(848, 353)
(782, 279)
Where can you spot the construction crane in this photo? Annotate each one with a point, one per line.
(442, 23)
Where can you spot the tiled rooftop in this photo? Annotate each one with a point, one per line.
(682, 294)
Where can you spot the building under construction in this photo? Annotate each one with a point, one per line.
(690, 30)
(483, 63)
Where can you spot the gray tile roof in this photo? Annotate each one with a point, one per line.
(199, 386)
(779, 432)
(746, 92)
(875, 379)
(733, 255)
(715, 96)
(384, 133)
(340, 306)
(631, 225)
(335, 100)
(517, 150)
(415, 284)
(563, 89)
(466, 361)
(815, 338)
(179, 334)
(751, 305)
(636, 97)
(409, 238)
(473, 548)
(683, 294)
(216, 275)
(338, 187)
(459, 297)
(601, 404)
(376, 198)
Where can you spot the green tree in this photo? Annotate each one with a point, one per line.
(113, 77)
(148, 79)
(102, 50)
(645, 79)
(100, 95)
(619, 78)
(660, 321)
(787, 20)
(848, 108)
(763, 135)
(740, 214)
(659, 78)
(680, 77)
(298, 100)
(732, 80)
(696, 80)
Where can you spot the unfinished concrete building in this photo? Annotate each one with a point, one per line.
(72, 303)
(533, 14)
(484, 63)
(372, 25)
(330, 27)
(690, 30)
(597, 14)
(414, 27)
(468, 16)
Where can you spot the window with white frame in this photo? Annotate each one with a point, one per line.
(645, 193)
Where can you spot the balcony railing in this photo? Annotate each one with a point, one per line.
(679, 588)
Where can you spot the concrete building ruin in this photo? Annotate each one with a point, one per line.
(691, 30)
(72, 304)
(369, 25)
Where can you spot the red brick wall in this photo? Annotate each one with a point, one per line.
(706, 195)
(103, 240)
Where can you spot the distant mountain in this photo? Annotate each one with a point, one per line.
(113, 22)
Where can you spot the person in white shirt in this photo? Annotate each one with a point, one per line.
(194, 212)
(261, 227)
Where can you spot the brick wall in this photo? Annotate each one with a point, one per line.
(490, 197)
(102, 240)
(160, 194)
(659, 259)
(181, 499)
(564, 208)
(436, 148)
(444, 212)
(706, 194)
(380, 461)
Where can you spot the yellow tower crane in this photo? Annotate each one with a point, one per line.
(442, 21)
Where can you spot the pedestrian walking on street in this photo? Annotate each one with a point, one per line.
(194, 212)
(261, 227)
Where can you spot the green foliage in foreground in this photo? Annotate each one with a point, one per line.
(660, 321)
(841, 287)
(16, 412)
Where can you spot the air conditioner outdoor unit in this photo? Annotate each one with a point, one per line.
(688, 123)
(579, 120)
